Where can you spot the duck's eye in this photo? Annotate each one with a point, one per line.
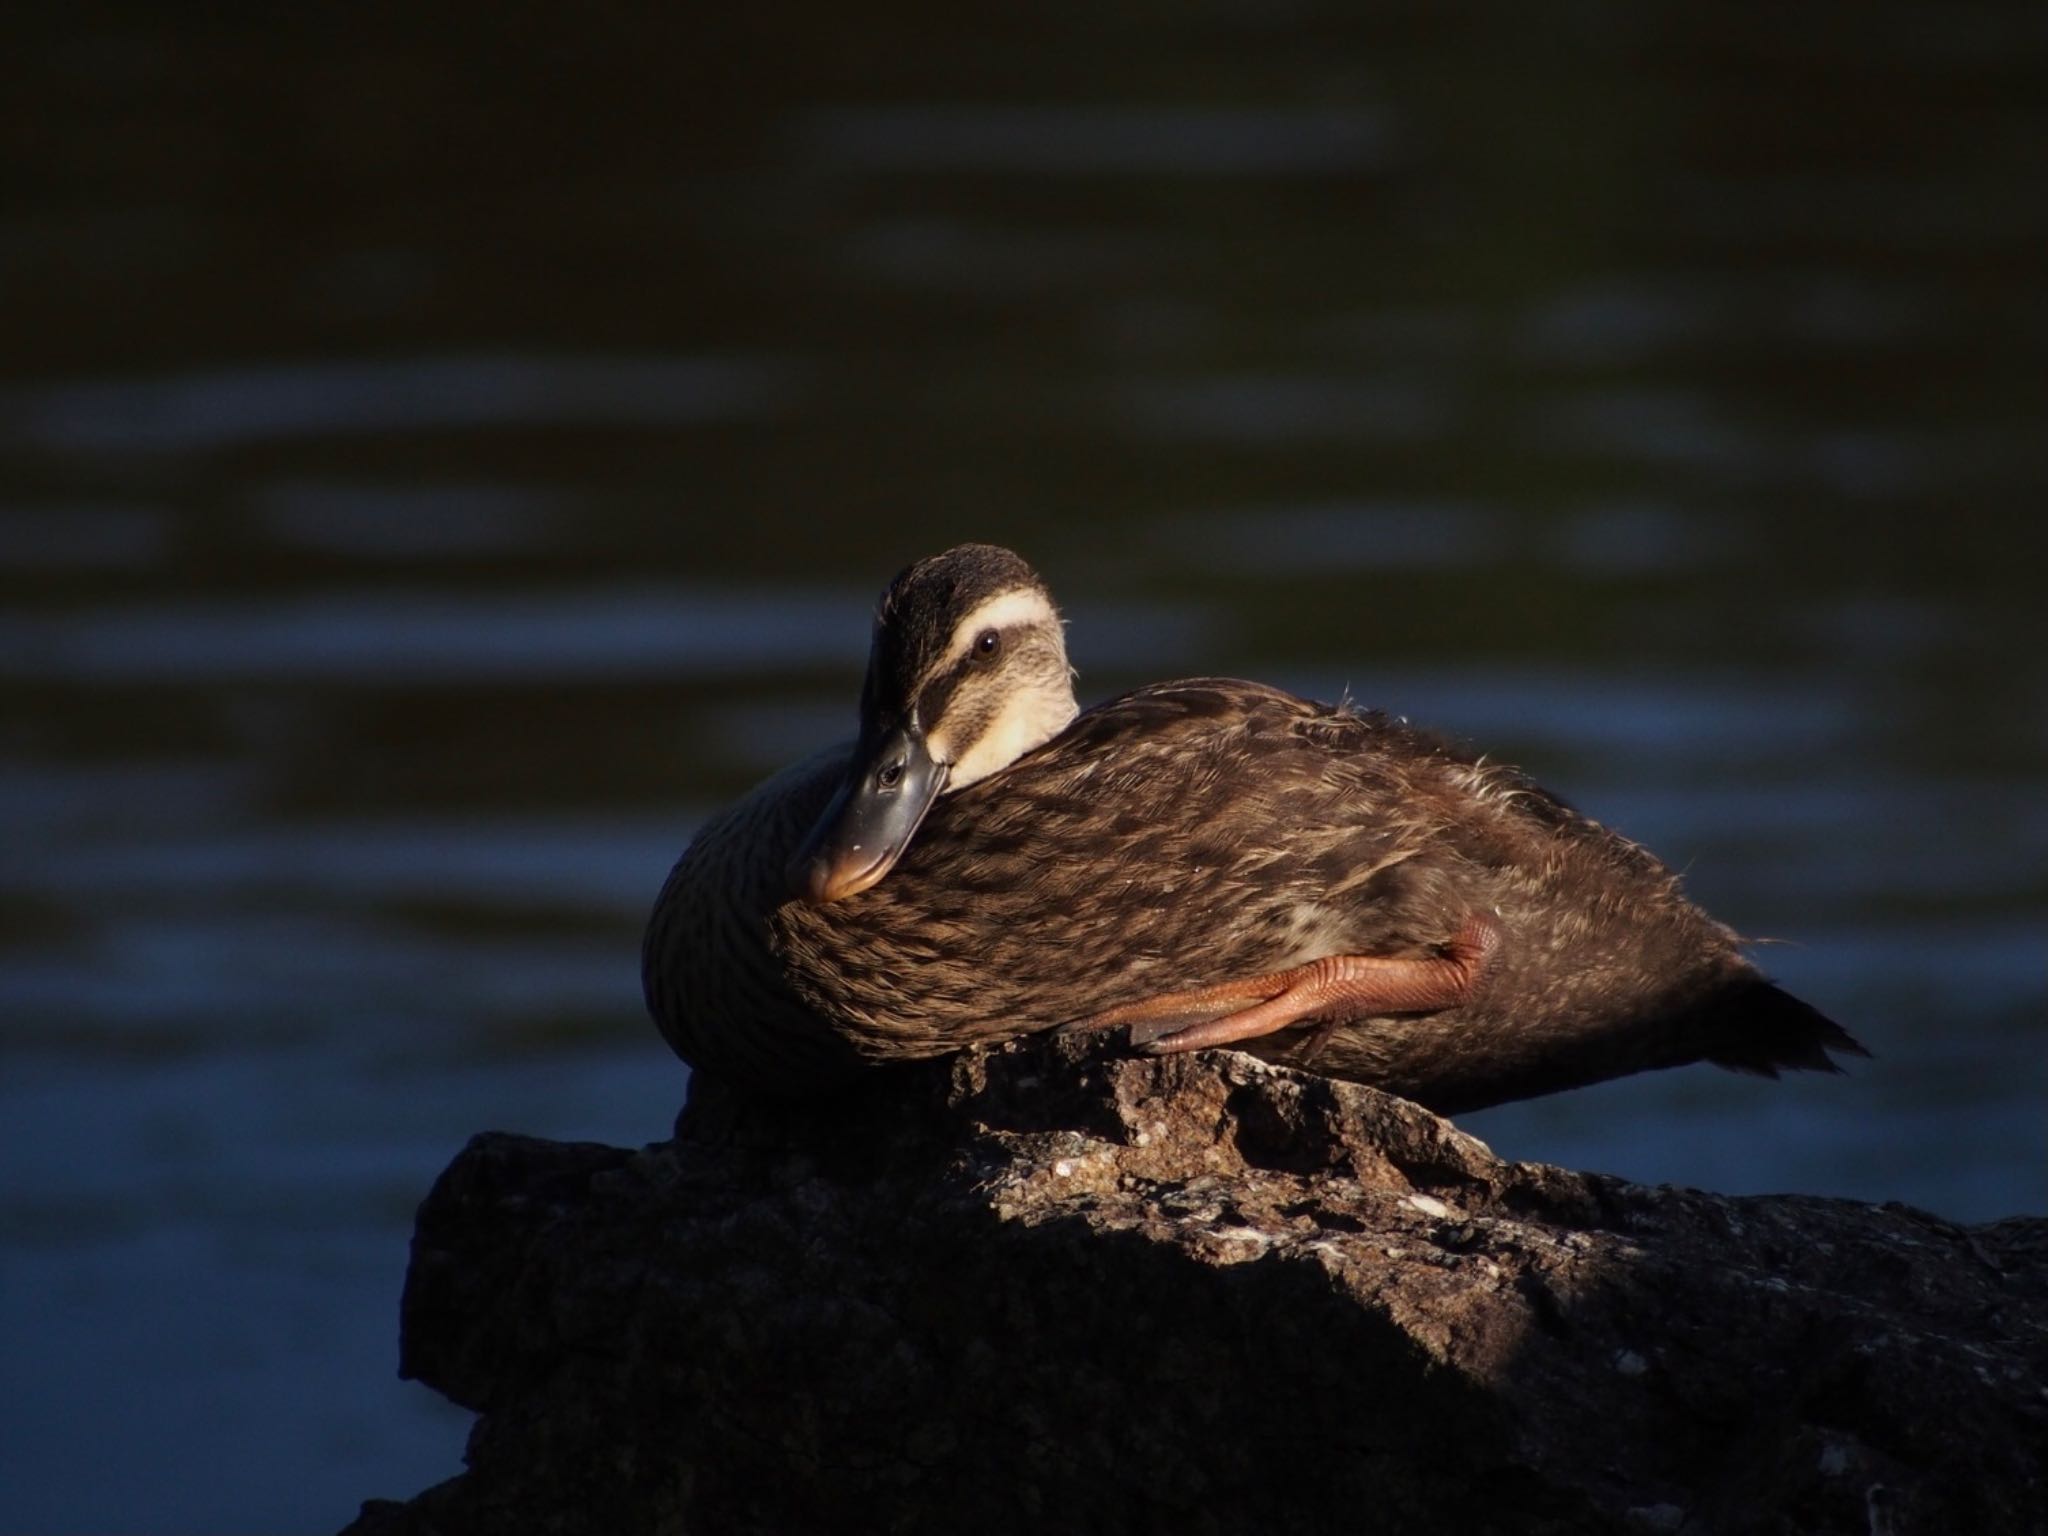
(890, 776)
(987, 643)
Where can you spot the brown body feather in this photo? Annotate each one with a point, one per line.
(1195, 832)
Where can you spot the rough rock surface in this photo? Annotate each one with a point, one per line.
(1042, 1288)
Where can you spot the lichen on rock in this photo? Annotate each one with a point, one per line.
(1044, 1287)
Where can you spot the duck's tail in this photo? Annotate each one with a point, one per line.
(1761, 1028)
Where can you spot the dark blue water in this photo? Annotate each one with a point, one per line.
(427, 487)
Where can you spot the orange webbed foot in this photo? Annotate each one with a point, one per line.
(1356, 985)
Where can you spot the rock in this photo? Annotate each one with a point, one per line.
(1044, 1288)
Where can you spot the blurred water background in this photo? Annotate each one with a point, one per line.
(444, 453)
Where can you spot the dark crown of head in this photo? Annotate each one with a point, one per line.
(923, 604)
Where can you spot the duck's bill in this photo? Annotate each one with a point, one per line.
(870, 821)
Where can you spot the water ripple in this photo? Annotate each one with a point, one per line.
(1100, 141)
(430, 637)
(1283, 408)
(202, 412)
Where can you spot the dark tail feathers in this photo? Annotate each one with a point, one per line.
(1764, 1029)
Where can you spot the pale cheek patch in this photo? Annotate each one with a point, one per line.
(1029, 719)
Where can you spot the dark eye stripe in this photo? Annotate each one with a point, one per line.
(938, 693)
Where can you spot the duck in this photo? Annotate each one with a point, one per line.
(1204, 863)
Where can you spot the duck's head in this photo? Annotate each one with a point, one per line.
(967, 672)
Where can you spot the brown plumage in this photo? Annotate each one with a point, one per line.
(1188, 834)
